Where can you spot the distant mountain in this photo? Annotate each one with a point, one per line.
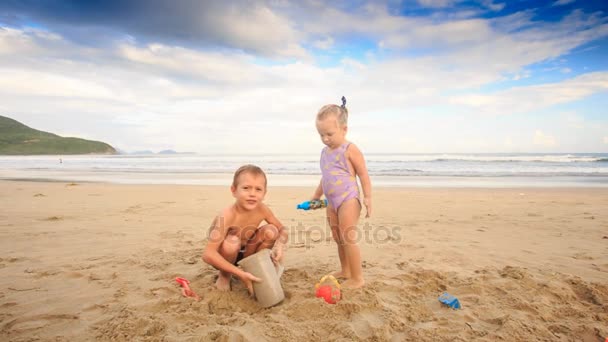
(167, 152)
(19, 139)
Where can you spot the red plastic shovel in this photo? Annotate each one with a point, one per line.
(186, 290)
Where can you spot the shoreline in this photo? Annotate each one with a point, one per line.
(383, 188)
(209, 179)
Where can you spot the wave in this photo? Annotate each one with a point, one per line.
(562, 158)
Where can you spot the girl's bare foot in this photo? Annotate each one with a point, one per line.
(223, 282)
(353, 284)
(341, 275)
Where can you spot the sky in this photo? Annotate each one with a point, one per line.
(248, 77)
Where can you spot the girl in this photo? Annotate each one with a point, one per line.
(341, 163)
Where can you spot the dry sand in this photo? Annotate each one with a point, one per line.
(98, 262)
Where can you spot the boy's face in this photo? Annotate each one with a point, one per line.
(249, 191)
(331, 133)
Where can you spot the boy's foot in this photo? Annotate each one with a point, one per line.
(341, 275)
(223, 283)
(353, 284)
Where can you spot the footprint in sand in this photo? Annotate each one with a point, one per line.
(582, 256)
(402, 265)
(53, 218)
(600, 268)
(8, 305)
(24, 289)
(39, 195)
(74, 275)
(12, 259)
(162, 292)
(43, 274)
(36, 322)
(96, 307)
(500, 321)
(134, 209)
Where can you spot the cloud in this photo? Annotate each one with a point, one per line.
(436, 3)
(563, 2)
(529, 98)
(509, 42)
(15, 42)
(492, 6)
(215, 91)
(606, 140)
(544, 140)
(248, 26)
(324, 43)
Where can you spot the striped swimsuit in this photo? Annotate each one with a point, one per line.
(337, 182)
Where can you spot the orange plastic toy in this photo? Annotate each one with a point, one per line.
(330, 293)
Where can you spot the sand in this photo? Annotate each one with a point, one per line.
(92, 261)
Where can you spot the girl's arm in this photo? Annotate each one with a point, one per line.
(358, 161)
(318, 192)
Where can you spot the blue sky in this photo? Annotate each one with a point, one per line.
(426, 76)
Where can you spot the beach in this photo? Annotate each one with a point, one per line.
(91, 261)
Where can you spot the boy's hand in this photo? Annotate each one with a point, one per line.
(248, 279)
(277, 255)
(368, 207)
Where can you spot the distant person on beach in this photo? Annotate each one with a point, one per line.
(341, 163)
(237, 231)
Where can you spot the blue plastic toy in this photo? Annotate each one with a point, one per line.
(449, 300)
(311, 205)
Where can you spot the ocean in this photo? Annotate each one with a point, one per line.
(400, 170)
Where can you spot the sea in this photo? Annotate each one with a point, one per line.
(387, 170)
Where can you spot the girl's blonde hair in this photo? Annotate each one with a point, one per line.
(340, 112)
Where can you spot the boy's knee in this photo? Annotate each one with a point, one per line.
(231, 244)
(270, 232)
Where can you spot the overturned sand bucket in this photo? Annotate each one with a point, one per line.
(268, 292)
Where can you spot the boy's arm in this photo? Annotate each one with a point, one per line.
(358, 161)
(211, 254)
(281, 241)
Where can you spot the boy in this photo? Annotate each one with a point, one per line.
(236, 232)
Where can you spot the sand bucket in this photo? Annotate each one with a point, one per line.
(268, 292)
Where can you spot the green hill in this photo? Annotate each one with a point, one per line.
(18, 139)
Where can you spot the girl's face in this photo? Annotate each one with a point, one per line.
(249, 191)
(332, 134)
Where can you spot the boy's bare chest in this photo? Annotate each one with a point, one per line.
(246, 227)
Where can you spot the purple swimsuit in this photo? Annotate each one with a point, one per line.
(337, 182)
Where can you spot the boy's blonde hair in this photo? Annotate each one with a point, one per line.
(340, 112)
(252, 169)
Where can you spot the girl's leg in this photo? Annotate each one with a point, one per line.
(348, 217)
(332, 220)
